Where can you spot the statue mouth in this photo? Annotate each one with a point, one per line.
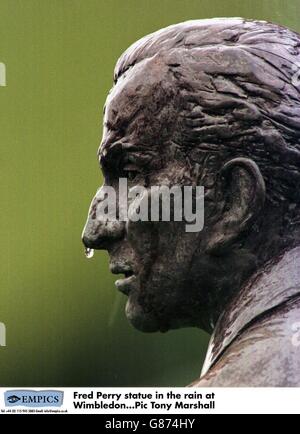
(125, 284)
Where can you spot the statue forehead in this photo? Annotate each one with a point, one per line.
(136, 87)
(138, 107)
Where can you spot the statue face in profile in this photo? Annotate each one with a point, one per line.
(208, 103)
(155, 257)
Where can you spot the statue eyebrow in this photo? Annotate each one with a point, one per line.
(105, 152)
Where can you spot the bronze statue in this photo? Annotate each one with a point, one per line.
(213, 103)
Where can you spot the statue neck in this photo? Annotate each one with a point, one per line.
(275, 284)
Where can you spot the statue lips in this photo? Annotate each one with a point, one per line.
(124, 285)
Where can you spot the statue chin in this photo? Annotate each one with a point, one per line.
(141, 320)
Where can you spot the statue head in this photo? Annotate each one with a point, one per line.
(214, 103)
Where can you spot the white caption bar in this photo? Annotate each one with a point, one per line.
(150, 400)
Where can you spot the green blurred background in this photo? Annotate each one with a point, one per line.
(65, 320)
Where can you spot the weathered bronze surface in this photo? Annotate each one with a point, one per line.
(213, 103)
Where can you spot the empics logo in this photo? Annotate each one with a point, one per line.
(13, 398)
(33, 398)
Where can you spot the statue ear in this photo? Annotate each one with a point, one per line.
(243, 191)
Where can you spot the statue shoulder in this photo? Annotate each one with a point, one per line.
(264, 354)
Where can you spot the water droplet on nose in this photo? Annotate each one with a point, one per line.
(89, 253)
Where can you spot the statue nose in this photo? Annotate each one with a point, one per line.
(93, 237)
(101, 229)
